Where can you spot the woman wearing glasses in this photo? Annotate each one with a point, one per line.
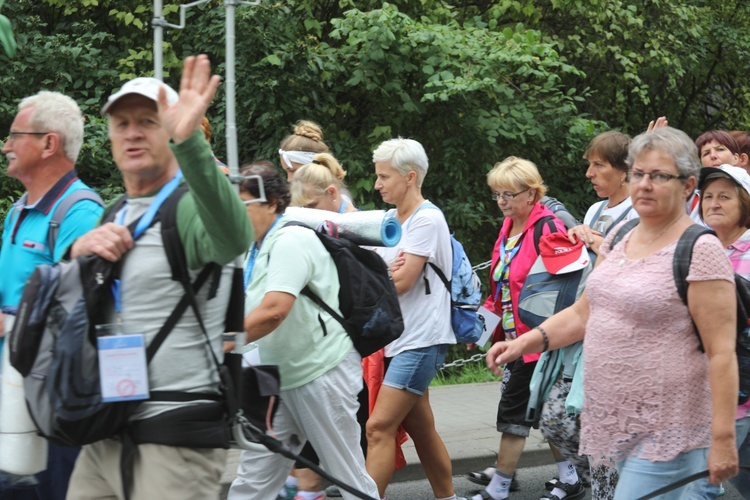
(653, 402)
(518, 188)
(321, 372)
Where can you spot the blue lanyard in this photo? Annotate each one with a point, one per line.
(344, 203)
(162, 195)
(254, 249)
(143, 224)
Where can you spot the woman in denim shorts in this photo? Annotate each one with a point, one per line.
(414, 358)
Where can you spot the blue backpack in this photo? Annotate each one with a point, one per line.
(465, 289)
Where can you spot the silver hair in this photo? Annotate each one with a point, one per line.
(404, 155)
(58, 113)
(671, 141)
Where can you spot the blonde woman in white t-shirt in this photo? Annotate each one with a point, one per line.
(608, 172)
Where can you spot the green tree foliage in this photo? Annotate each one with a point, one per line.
(473, 81)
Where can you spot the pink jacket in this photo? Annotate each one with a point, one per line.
(519, 268)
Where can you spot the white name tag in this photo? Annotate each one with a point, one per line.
(490, 323)
(122, 368)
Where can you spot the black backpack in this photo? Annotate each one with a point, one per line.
(53, 344)
(370, 312)
(681, 267)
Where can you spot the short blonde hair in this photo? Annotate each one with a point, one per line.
(311, 180)
(514, 172)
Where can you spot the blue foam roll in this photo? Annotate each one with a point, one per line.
(367, 227)
(390, 231)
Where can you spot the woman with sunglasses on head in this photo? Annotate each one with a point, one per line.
(320, 371)
(653, 402)
(518, 189)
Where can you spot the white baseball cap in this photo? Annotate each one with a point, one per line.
(737, 174)
(147, 87)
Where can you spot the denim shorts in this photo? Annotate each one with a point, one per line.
(413, 370)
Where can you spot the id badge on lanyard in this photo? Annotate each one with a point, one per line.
(122, 364)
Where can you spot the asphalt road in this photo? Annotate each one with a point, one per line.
(531, 480)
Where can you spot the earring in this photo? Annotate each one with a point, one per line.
(528, 202)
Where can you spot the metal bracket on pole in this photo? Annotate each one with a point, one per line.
(241, 2)
(160, 22)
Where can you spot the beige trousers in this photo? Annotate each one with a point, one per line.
(160, 472)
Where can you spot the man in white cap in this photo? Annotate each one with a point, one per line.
(174, 454)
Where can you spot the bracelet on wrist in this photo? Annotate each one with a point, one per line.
(545, 338)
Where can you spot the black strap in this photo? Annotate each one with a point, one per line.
(620, 218)
(177, 313)
(682, 482)
(683, 254)
(539, 229)
(307, 292)
(625, 229)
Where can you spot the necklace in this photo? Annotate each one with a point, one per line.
(659, 235)
(619, 202)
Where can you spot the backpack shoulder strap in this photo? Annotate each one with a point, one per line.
(111, 210)
(167, 214)
(62, 210)
(683, 254)
(619, 219)
(625, 229)
(539, 229)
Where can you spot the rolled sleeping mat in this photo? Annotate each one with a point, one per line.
(22, 450)
(367, 227)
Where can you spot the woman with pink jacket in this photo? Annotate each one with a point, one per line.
(518, 188)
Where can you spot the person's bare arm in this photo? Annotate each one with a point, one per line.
(713, 307)
(270, 313)
(564, 328)
(406, 274)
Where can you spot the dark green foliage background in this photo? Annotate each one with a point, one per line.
(474, 81)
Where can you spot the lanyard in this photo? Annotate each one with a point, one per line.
(254, 249)
(143, 223)
(501, 263)
(148, 217)
(344, 203)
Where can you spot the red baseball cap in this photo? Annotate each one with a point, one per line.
(560, 256)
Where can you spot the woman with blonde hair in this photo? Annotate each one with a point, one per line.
(320, 185)
(518, 188)
(300, 148)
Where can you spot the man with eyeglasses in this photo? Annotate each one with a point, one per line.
(42, 148)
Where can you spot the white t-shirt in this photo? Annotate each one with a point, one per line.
(427, 318)
(609, 216)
